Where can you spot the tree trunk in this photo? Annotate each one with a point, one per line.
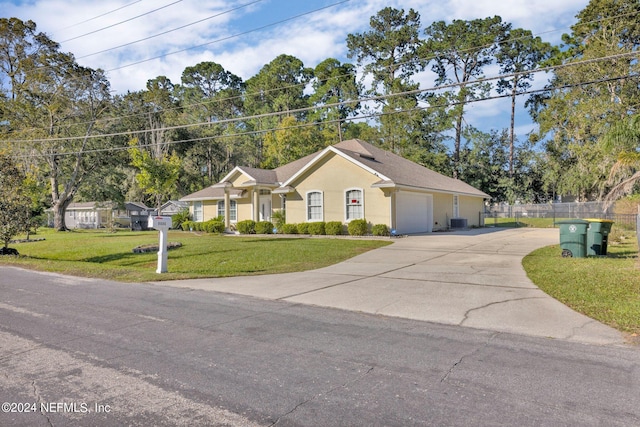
(59, 209)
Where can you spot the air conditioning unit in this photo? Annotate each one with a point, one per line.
(458, 222)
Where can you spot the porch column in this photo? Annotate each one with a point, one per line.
(227, 210)
(256, 204)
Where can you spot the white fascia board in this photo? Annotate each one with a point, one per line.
(234, 170)
(322, 154)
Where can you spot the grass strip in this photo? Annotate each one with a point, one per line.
(604, 288)
(110, 255)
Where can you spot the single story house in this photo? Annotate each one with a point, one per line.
(173, 207)
(349, 180)
(87, 215)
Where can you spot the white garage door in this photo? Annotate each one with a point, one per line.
(414, 213)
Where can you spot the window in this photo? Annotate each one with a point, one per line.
(456, 206)
(314, 206)
(354, 207)
(197, 211)
(233, 210)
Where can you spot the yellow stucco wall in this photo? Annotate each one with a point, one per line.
(333, 175)
(470, 208)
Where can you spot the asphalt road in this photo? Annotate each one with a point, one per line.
(78, 352)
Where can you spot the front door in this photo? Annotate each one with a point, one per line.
(265, 207)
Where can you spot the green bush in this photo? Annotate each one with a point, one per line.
(289, 229)
(316, 228)
(180, 218)
(358, 227)
(213, 226)
(380, 230)
(247, 226)
(279, 218)
(333, 228)
(264, 227)
(303, 228)
(187, 225)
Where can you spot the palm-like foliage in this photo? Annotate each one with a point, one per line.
(625, 173)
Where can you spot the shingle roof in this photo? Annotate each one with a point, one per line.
(211, 193)
(393, 169)
(401, 171)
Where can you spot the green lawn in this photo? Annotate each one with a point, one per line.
(604, 288)
(109, 255)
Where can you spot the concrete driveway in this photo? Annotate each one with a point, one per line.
(469, 278)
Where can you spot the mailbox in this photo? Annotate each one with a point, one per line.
(160, 222)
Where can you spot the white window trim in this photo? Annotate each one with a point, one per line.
(231, 202)
(198, 203)
(456, 206)
(344, 199)
(306, 205)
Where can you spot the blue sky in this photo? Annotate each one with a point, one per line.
(244, 39)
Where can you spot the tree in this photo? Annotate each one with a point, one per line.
(459, 53)
(625, 173)
(595, 88)
(389, 55)
(291, 141)
(14, 203)
(211, 94)
(334, 83)
(277, 88)
(157, 176)
(54, 106)
(519, 55)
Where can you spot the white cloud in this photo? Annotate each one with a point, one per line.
(231, 40)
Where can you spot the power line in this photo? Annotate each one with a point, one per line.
(121, 22)
(368, 99)
(172, 30)
(359, 100)
(99, 16)
(228, 37)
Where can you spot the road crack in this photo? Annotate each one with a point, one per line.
(312, 398)
(466, 356)
(468, 312)
(36, 393)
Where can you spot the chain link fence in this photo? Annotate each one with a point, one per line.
(558, 212)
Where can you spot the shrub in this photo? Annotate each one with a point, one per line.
(247, 226)
(333, 228)
(180, 218)
(316, 228)
(213, 226)
(279, 218)
(264, 227)
(380, 230)
(358, 227)
(289, 229)
(303, 228)
(187, 225)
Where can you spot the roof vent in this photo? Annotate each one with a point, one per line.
(366, 156)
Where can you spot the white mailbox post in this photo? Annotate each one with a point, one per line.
(162, 224)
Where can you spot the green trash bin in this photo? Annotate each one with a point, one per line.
(573, 237)
(598, 236)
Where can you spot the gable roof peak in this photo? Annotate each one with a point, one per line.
(357, 146)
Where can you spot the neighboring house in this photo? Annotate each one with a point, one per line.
(88, 215)
(137, 215)
(346, 181)
(173, 207)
